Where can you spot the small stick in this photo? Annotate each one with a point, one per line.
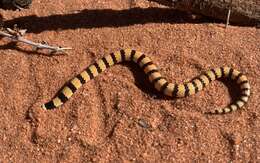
(229, 12)
(228, 16)
(17, 36)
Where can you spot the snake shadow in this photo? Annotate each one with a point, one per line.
(98, 18)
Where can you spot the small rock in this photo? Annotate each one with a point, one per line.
(143, 123)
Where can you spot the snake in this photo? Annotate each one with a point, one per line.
(156, 79)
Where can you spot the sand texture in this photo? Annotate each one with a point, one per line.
(118, 116)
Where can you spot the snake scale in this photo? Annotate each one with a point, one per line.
(156, 79)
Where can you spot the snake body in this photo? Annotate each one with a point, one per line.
(156, 79)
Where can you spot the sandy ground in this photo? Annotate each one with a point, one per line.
(118, 116)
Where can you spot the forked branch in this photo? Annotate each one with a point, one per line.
(16, 35)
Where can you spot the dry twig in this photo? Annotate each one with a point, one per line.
(228, 17)
(16, 35)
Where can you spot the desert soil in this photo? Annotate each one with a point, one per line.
(118, 116)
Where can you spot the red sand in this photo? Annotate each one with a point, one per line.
(118, 116)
